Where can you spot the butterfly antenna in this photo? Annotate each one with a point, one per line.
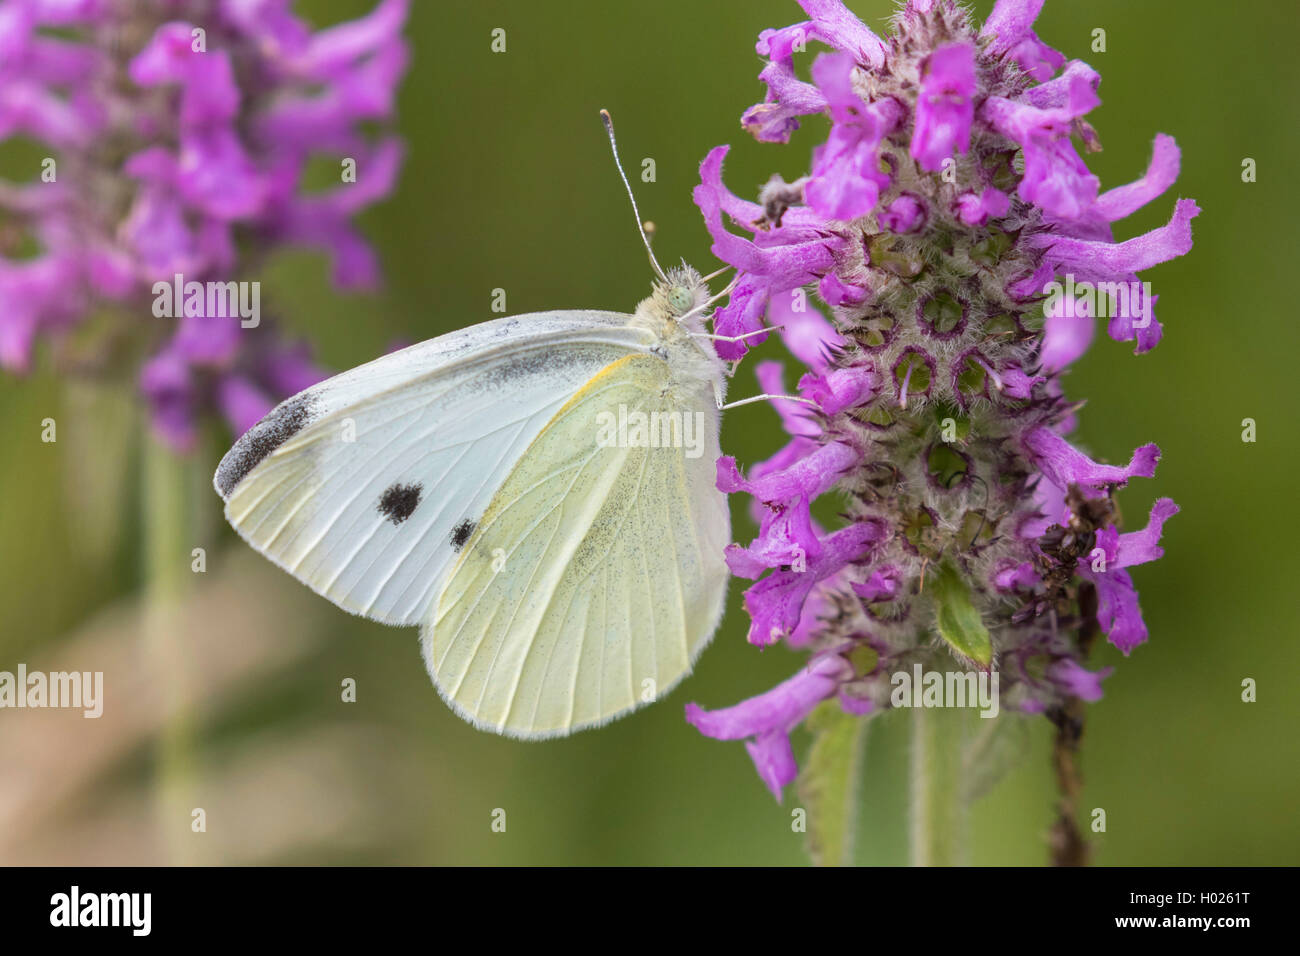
(609, 128)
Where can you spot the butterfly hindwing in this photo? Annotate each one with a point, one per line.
(595, 576)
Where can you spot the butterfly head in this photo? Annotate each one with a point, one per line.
(680, 300)
(681, 296)
(684, 292)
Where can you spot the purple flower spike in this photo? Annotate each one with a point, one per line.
(788, 97)
(1123, 201)
(1078, 681)
(1064, 465)
(1055, 177)
(1066, 336)
(1118, 612)
(1112, 260)
(767, 720)
(1142, 546)
(945, 106)
(834, 24)
(975, 209)
(188, 152)
(905, 214)
(964, 254)
(777, 260)
(1010, 26)
(846, 178)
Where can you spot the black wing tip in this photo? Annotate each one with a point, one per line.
(280, 424)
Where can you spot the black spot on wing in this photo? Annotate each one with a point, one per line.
(281, 423)
(398, 501)
(460, 534)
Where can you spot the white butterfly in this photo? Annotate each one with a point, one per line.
(564, 566)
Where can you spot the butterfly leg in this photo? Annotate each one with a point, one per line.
(766, 397)
(736, 338)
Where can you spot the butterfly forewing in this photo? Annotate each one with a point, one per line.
(367, 486)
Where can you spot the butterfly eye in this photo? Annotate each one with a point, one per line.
(681, 299)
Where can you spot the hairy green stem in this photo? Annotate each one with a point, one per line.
(938, 807)
(829, 784)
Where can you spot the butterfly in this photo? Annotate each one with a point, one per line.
(537, 493)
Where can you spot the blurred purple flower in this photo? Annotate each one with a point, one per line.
(947, 198)
(183, 152)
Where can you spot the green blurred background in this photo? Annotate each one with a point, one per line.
(508, 184)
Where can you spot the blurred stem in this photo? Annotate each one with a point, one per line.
(1067, 844)
(168, 507)
(938, 810)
